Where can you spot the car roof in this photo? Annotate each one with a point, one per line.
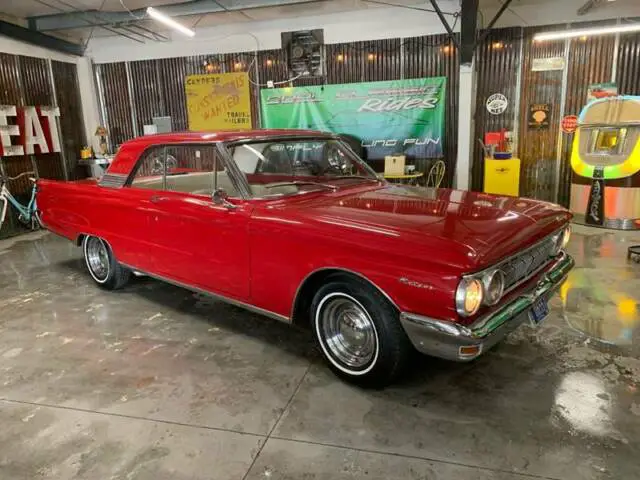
(223, 136)
(129, 151)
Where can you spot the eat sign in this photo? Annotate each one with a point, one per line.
(36, 127)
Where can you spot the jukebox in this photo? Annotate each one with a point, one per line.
(605, 189)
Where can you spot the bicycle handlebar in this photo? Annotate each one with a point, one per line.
(9, 179)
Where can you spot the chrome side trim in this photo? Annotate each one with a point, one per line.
(217, 296)
(339, 269)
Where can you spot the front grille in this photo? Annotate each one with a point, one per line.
(525, 264)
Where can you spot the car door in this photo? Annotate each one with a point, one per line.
(197, 242)
(132, 208)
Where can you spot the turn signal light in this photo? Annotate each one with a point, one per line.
(470, 351)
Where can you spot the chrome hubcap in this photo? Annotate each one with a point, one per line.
(98, 258)
(349, 333)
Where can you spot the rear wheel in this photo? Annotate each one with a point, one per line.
(102, 265)
(359, 333)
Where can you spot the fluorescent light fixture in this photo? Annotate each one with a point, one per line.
(161, 17)
(586, 32)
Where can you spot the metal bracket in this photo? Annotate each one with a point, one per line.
(446, 25)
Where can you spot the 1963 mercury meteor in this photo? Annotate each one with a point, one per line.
(292, 224)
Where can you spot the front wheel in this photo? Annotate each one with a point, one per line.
(359, 333)
(102, 265)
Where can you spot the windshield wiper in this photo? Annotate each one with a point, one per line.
(282, 184)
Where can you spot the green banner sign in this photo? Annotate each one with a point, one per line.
(392, 117)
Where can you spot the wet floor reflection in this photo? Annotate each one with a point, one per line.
(601, 297)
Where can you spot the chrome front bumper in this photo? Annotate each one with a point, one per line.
(454, 342)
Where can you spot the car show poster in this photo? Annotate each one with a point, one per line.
(390, 117)
(218, 101)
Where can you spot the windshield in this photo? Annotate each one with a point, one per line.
(284, 167)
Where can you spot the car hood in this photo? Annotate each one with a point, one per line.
(476, 229)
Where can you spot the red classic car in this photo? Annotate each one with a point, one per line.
(292, 224)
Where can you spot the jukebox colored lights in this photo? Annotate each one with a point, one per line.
(627, 168)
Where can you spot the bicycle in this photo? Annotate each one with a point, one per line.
(28, 214)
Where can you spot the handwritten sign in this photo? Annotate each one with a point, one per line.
(218, 101)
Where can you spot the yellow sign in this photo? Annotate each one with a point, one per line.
(502, 177)
(218, 101)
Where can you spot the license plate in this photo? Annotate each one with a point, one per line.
(539, 311)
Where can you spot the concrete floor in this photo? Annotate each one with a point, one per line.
(154, 382)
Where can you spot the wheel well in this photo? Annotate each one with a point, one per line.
(80, 239)
(301, 308)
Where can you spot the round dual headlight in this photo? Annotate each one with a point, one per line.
(561, 240)
(469, 296)
(493, 283)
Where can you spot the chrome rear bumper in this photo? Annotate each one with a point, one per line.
(452, 341)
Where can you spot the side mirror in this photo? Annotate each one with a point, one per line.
(220, 197)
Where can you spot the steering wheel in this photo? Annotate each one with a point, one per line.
(334, 161)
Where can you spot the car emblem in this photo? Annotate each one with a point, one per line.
(413, 283)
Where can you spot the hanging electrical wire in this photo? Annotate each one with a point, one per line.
(130, 12)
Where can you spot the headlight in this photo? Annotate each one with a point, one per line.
(493, 283)
(561, 241)
(566, 235)
(469, 296)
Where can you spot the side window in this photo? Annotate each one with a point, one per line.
(150, 170)
(195, 169)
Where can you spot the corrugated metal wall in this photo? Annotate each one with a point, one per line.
(498, 61)
(504, 63)
(538, 147)
(28, 81)
(158, 85)
(590, 61)
(116, 99)
(65, 77)
(628, 68)
(545, 154)
(435, 56)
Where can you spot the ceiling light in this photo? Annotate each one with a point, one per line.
(161, 17)
(584, 32)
